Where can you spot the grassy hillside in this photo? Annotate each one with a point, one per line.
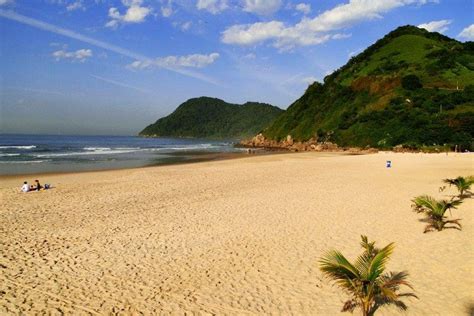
(412, 87)
(214, 118)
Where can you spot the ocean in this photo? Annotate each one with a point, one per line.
(28, 154)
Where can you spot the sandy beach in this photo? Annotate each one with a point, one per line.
(231, 237)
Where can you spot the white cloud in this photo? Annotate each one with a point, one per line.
(338, 36)
(467, 33)
(135, 13)
(305, 8)
(75, 6)
(284, 37)
(250, 56)
(312, 31)
(5, 2)
(309, 80)
(190, 61)
(91, 41)
(119, 84)
(186, 26)
(440, 26)
(253, 33)
(213, 6)
(80, 55)
(354, 52)
(262, 7)
(167, 9)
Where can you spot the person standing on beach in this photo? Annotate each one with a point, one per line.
(25, 187)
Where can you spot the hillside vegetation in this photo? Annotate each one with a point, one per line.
(411, 88)
(214, 118)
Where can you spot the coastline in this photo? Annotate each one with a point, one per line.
(235, 236)
(202, 157)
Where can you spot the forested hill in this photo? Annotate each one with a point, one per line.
(206, 117)
(410, 88)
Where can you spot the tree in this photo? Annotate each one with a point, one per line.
(462, 184)
(411, 82)
(435, 212)
(365, 280)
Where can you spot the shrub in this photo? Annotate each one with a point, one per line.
(411, 82)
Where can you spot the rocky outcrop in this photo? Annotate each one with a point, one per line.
(259, 141)
(287, 144)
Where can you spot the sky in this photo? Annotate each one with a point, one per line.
(111, 67)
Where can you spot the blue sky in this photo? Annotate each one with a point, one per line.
(114, 66)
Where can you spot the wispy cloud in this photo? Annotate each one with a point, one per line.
(135, 13)
(77, 5)
(11, 15)
(167, 9)
(467, 33)
(436, 26)
(80, 55)
(316, 30)
(262, 7)
(120, 84)
(192, 61)
(5, 2)
(212, 6)
(305, 8)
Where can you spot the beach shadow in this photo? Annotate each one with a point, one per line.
(42, 190)
(470, 309)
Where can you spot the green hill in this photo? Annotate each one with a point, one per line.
(214, 118)
(412, 88)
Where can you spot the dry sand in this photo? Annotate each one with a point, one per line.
(229, 237)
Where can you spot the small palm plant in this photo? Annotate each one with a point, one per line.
(365, 280)
(435, 212)
(462, 184)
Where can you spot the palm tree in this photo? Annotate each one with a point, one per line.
(462, 184)
(365, 280)
(435, 212)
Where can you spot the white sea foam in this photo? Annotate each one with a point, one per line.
(190, 147)
(9, 155)
(86, 153)
(18, 147)
(25, 161)
(97, 148)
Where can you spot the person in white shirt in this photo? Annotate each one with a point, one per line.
(25, 187)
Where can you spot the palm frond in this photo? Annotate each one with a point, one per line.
(435, 211)
(336, 266)
(394, 280)
(402, 306)
(463, 184)
(456, 222)
(440, 224)
(430, 228)
(368, 246)
(423, 202)
(377, 266)
(408, 295)
(364, 260)
(349, 306)
(365, 280)
(450, 181)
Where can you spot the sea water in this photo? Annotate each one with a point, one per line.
(26, 154)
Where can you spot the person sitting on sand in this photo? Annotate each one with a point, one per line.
(38, 185)
(25, 187)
